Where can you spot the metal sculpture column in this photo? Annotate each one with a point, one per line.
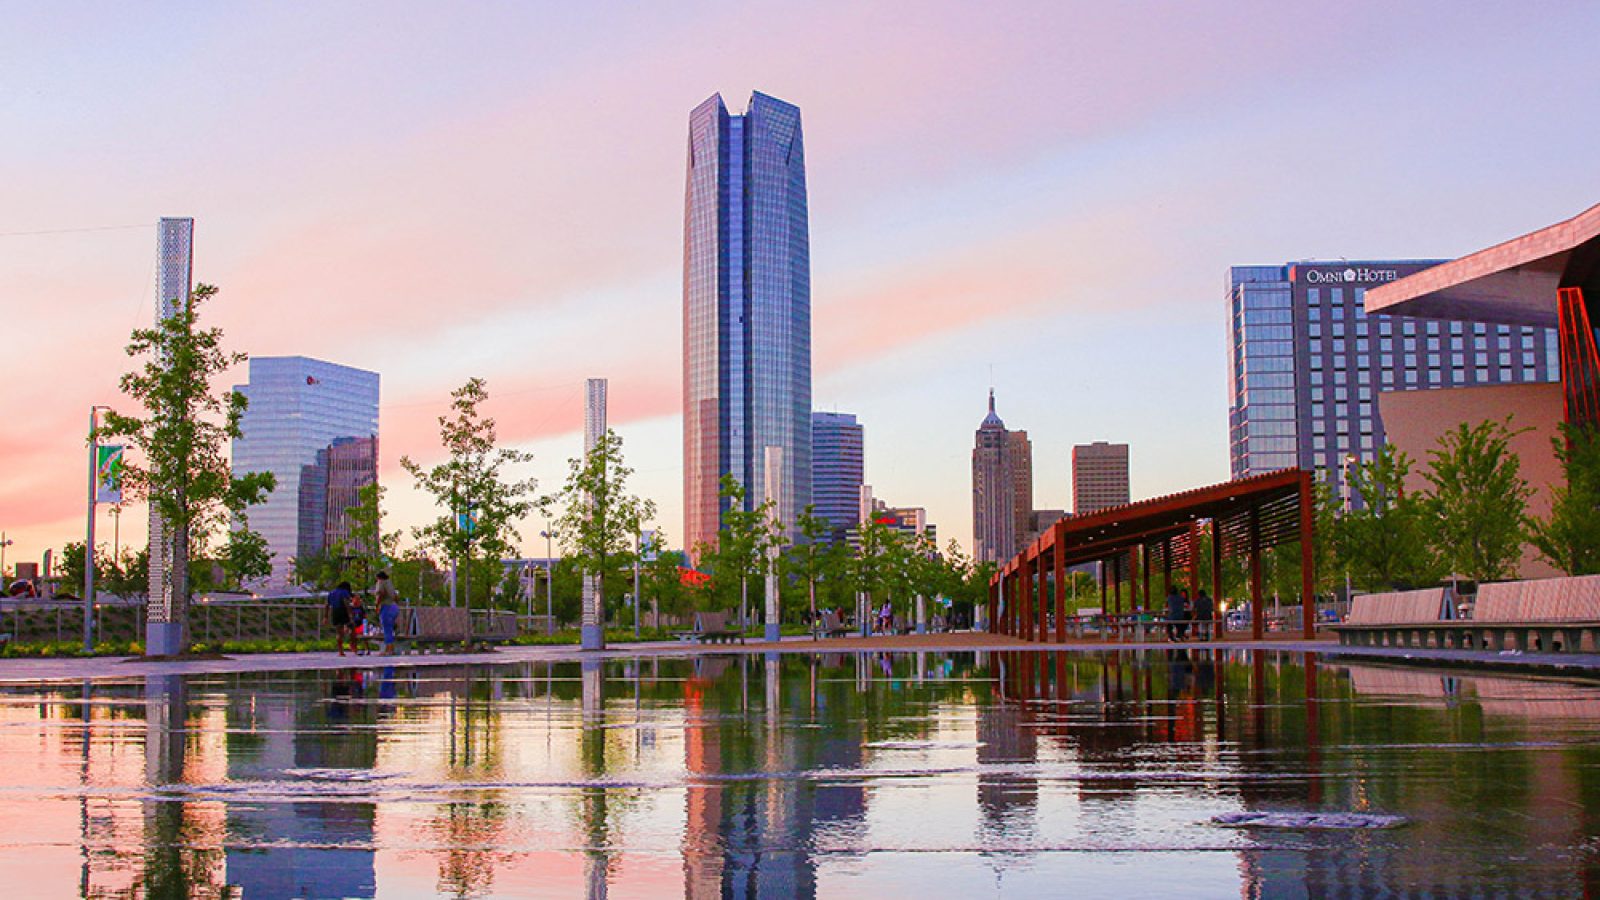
(593, 633)
(167, 611)
(774, 501)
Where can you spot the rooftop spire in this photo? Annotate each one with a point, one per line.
(992, 420)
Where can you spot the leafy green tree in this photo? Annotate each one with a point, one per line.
(482, 506)
(662, 580)
(246, 557)
(808, 561)
(183, 470)
(742, 544)
(1386, 541)
(598, 519)
(1570, 538)
(1479, 500)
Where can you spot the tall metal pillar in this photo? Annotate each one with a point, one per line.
(593, 632)
(773, 498)
(167, 610)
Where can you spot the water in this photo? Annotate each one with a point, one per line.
(1033, 774)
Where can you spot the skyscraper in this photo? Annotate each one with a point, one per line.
(1099, 476)
(836, 469)
(1306, 362)
(1002, 489)
(314, 426)
(746, 309)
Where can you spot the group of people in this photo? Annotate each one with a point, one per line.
(1184, 612)
(347, 613)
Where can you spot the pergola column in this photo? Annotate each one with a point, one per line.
(1256, 621)
(1144, 559)
(1217, 618)
(1044, 598)
(1025, 589)
(1061, 587)
(1308, 561)
(993, 601)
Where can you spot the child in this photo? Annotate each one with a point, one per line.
(358, 620)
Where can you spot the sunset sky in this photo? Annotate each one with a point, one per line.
(1043, 197)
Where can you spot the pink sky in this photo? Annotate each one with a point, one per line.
(1043, 196)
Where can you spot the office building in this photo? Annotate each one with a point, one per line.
(1040, 521)
(1099, 477)
(1306, 362)
(314, 426)
(1002, 489)
(746, 309)
(836, 469)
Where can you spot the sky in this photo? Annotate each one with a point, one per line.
(1039, 197)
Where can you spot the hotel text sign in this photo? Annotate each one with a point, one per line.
(1351, 275)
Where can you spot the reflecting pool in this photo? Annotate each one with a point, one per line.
(846, 775)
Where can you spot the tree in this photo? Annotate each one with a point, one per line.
(599, 520)
(183, 471)
(481, 506)
(246, 557)
(742, 544)
(1385, 543)
(663, 580)
(1570, 538)
(1479, 500)
(809, 560)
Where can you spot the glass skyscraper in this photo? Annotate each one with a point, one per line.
(836, 470)
(314, 426)
(1306, 362)
(746, 309)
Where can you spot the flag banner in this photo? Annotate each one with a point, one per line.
(108, 475)
(648, 551)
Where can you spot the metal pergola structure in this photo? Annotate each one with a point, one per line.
(1247, 516)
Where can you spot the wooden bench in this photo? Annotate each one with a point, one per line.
(710, 628)
(1419, 618)
(1549, 615)
(434, 625)
(829, 625)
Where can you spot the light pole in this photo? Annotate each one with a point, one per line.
(88, 543)
(1349, 460)
(638, 544)
(549, 582)
(4, 543)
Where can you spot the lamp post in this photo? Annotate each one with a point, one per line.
(1344, 486)
(88, 543)
(549, 582)
(4, 543)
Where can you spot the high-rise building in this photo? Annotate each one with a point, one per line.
(1099, 476)
(746, 309)
(1306, 362)
(1002, 489)
(836, 469)
(314, 426)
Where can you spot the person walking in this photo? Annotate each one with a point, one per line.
(388, 610)
(338, 612)
(1205, 610)
(1186, 615)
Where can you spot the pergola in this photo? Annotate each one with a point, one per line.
(1247, 516)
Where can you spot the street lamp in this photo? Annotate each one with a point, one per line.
(549, 582)
(88, 543)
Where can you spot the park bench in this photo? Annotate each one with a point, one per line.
(436, 625)
(1419, 618)
(828, 625)
(495, 627)
(1548, 615)
(710, 628)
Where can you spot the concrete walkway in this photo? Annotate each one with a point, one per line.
(108, 667)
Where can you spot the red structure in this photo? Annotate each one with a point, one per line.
(1245, 517)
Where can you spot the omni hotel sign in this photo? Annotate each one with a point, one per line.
(1357, 275)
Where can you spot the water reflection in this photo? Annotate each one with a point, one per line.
(799, 775)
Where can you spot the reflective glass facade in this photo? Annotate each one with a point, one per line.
(746, 308)
(836, 469)
(314, 426)
(1307, 362)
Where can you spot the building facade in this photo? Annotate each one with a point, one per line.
(314, 426)
(1002, 489)
(746, 309)
(837, 470)
(1306, 362)
(1099, 477)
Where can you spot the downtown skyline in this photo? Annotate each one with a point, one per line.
(980, 203)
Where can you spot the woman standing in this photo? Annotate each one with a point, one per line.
(388, 610)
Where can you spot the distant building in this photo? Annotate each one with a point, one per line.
(746, 310)
(1306, 362)
(1099, 477)
(1002, 489)
(908, 520)
(1040, 521)
(836, 469)
(314, 426)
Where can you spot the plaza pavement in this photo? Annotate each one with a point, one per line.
(72, 668)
